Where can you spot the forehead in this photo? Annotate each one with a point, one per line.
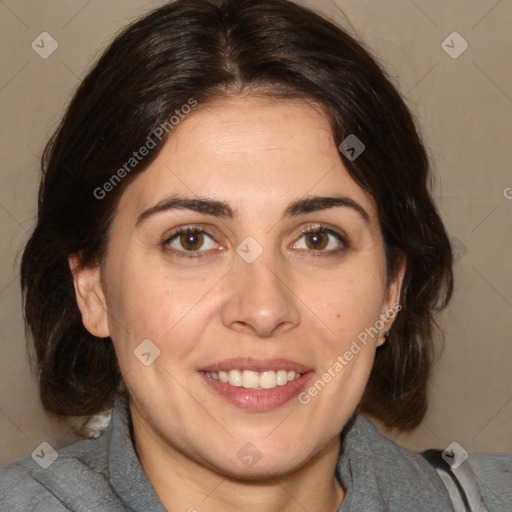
(249, 151)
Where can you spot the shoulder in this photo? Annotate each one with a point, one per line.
(388, 474)
(493, 472)
(20, 491)
(396, 458)
(55, 481)
(485, 479)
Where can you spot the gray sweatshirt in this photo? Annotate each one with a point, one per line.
(105, 475)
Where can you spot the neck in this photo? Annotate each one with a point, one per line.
(182, 484)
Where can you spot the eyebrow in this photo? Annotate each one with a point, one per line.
(222, 209)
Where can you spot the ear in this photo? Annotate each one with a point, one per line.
(90, 297)
(391, 305)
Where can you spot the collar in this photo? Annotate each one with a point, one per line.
(380, 476)
(105, 474)
(126, 474)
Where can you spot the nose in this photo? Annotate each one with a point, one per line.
(261, 301)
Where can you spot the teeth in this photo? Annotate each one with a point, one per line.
(250, 380)
(235, 378)
(255, 380)
(282, 377)
(268, 380)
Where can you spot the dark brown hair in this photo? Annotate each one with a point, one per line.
(207, 50)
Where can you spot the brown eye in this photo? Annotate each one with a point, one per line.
(191, 241)
(316, 240)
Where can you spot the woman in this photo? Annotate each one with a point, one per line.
(237, 250)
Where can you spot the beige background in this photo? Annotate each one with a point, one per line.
(464, 106)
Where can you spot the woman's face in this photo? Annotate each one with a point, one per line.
(243, 288)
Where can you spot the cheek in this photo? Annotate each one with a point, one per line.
(346, 304)
(346, 351)
(152, 304)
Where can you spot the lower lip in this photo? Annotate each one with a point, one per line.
(258, 399)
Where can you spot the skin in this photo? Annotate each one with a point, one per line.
(293, 302)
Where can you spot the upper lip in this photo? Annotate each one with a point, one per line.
(255, 365)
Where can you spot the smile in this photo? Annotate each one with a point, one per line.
(248, 379)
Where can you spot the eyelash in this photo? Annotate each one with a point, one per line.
(192, 228)
(201, 229)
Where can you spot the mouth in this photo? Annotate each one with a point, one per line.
(254, 384)
(248, 379)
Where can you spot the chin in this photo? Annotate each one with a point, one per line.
(262, 470)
